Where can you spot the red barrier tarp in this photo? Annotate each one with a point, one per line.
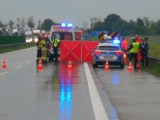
(80, 51)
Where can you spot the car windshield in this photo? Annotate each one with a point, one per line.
(108, 48)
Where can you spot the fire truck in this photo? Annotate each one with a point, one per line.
(64, 31)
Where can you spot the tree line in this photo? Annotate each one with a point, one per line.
(114, 23)
(21, 25)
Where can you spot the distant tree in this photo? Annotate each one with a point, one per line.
(22, 28)
(99, 26)
(1, 24)
(110, 21)
(30, 22)
(18, 23)
(10, 24)
(39, 24)
(140, 27)
(157, 27)
(114, 23)
(47, 23)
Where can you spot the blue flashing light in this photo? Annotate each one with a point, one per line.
(63, 24)
(69, 25)
(116, 41)
(66, 25)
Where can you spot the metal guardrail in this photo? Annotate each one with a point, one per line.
(155, 60)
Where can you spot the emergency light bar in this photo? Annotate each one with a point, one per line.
(116, 41)
(66, 25)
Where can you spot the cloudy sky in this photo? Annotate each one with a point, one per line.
(78, 11)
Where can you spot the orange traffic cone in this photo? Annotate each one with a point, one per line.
(106, 66)
(4, 66)
(130, 67)
(40, 67)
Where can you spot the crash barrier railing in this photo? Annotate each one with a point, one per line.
(155, 60)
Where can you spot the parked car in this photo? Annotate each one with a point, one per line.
(110, 52)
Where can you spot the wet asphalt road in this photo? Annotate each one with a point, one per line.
(53, 93)
(134, 95)
(56, 93)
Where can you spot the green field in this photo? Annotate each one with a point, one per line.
(154, 42)
(9, 48)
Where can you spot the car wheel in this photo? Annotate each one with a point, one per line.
(94, 65)
(122, 66)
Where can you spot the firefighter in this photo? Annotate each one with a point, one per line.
(138, 39)
(144, 47)
(133, 51)
(44, 49)
(39, 47)
(56, 43)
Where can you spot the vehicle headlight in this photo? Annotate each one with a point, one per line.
(35, 39)
(27, 40)
(30, 39)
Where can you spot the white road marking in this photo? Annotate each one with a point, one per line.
(97, 105)
(3, 73)
(18, 66)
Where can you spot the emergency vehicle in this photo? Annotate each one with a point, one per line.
(64, 31)
(109, 50)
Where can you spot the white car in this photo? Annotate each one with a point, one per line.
(110, 52)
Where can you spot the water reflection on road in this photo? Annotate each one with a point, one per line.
(62, 79)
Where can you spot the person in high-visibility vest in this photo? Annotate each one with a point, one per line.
(56, 43)
(44, 49)
(133, 51)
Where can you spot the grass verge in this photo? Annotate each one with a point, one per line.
(8, 48)
(153, 68)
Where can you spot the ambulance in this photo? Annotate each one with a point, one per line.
(64, 31)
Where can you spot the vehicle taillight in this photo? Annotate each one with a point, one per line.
(97, 52)
(119, 52)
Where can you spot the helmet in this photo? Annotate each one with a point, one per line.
(105, 36)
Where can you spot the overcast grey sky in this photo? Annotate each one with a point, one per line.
(78, 11)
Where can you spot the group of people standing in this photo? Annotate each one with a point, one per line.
(138, 51)
(44, 44)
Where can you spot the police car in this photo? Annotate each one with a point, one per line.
(108, 51)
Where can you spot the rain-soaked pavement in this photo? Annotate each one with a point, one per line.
(134, 95)
(59, 93)
(54, 93)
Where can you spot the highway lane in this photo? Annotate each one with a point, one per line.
(134, 95)
(61, 94)
(52, 93)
